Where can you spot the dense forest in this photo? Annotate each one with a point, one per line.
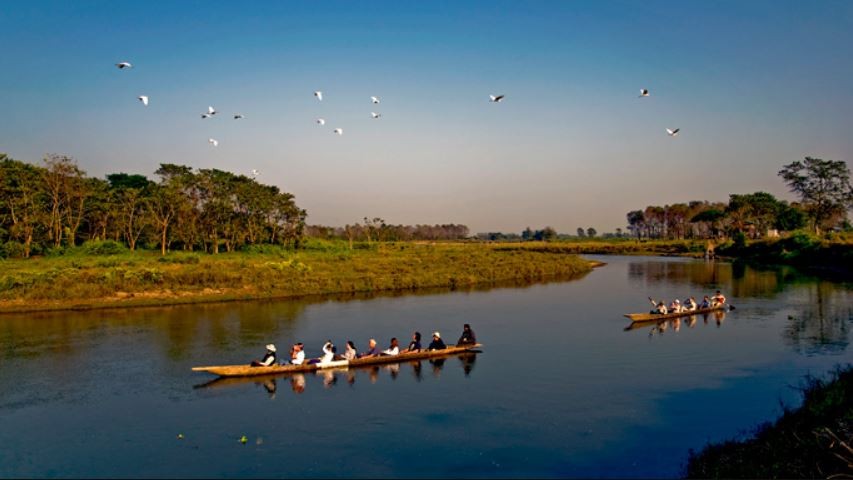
(45, 208)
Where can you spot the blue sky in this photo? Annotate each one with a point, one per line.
(752, 85)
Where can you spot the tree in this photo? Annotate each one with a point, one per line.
(591, 232)
(636, 222)
(527, 234)
(823, 187)
(581, 232)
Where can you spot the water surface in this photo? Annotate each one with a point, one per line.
(561, 388)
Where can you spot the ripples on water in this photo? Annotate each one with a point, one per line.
(564, 386)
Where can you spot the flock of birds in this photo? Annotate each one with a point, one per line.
(672, 132)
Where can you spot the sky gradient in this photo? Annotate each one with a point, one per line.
(752, 85)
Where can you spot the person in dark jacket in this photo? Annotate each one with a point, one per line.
(415, 344)
(437, 343)
(468, 337)
(269, 358)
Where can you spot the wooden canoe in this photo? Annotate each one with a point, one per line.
(646, 317)
(248, 371)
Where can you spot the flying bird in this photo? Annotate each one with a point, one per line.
(375, 115)
(123, 65)
(211, 110)
(644, 92)
(672, 133)
(238, 116)
(374, 99)
(205, 115)
(255, 172)
(213, 142)
(143, 99)
(321, 121)
(496, 99)
(339, 131)
(319, 95)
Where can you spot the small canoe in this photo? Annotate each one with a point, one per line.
(646, 317)
(248, 371)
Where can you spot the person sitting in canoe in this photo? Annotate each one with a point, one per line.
(350, 353)
(690, 305)
(269, 358)
(297, 354)
(415, 344)
(437, 343)
(467, 337)
(328, 353)
(706, 302)
(718, 299)
(372, 351)
(675, 306)
(660, 308)
(393, 349)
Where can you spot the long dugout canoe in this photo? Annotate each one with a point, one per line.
(248, 370)
(645, 317)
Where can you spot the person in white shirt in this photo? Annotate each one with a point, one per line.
(328, 353)
(297, 355)
(660, 308)
(394, 349)
(351, 353)
(718, 299)
(690, 305)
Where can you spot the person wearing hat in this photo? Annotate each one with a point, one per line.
(269, 358)
(437, 343)
(468, 337)
(675, 306)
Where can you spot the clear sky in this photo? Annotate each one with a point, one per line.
(752, 84)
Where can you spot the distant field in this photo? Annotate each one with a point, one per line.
(82, 280)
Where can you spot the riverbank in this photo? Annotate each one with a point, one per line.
(812, 441)
(80, 280)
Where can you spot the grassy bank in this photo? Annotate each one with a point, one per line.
(615, 246)
(813, 441)
(81, 278)
(799, 249)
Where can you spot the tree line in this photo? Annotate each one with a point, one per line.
(378, 230)
(55, 205)
(823, 187)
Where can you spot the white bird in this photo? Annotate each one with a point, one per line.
(672, 133)
(374, 99)
(213, 142)
(339, 131)
(255, 172)
(375, 115)
(644, 92)
(319, 95)
(495, 98)
(143, 99)
(238, 116)
(211, 110)
(123, 65)
(205, 115)
(321, 121)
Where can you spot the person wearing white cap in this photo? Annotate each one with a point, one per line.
(437, 343)
(269, 358)
(675, 306)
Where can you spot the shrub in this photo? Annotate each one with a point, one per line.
(103, 247)
(185, 259)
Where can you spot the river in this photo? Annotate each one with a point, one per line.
(561, 388)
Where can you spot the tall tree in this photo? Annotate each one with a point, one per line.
(823, 187)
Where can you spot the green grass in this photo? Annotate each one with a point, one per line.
(78, 279)
(803, 443)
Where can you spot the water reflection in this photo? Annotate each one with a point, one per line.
(331, 377)
(659, 327)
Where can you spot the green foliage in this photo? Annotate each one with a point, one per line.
(181, 258)
(103, 247)
(739, 240)
(802, 443)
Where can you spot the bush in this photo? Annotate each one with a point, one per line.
(186, 259)
(266, 249)
(12, 249)
(103, 247)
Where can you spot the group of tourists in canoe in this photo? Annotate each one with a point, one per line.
(330, 351)
(689, 305)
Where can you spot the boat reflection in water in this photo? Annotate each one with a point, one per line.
(660, 327)
(330, 377)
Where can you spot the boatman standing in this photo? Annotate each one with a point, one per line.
(269, 358)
